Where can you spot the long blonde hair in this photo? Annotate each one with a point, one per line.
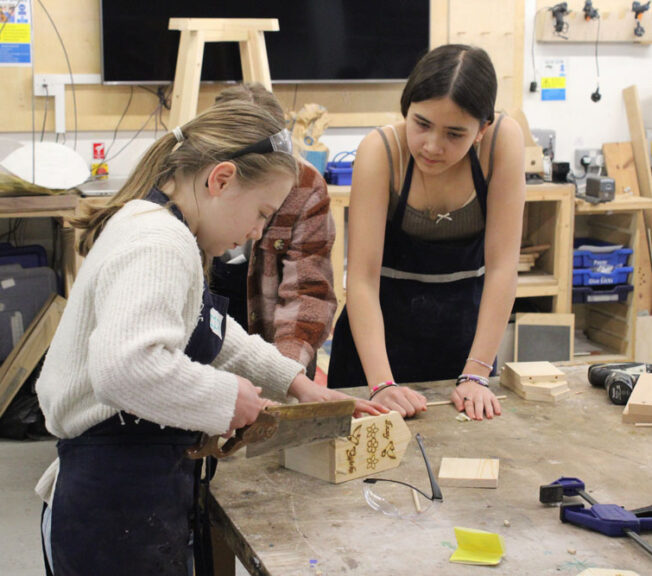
(209, 138)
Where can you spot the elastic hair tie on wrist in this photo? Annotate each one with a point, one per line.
(481, 363)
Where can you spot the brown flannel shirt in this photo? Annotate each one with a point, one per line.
(290, 298)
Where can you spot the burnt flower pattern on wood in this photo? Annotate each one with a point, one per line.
(375, 444)
(372, 443)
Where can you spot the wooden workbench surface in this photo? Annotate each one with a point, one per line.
(278, 520)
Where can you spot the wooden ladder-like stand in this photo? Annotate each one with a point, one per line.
(195, 32)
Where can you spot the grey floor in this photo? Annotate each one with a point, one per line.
(21, 465)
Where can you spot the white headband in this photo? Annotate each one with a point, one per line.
(178, 134)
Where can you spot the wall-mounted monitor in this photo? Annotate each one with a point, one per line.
(318, 41)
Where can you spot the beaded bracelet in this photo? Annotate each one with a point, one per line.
(380, 387)
(481, 363)
(473, 378)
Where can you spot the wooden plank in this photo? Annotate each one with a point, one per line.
(620, 203)
(613, 343)
(621, 166)
(615, 26)
(546, 397)
(629, 418)
(537, 381)
(617, 326)
(38, 206)
(469, 472)
(224, 24)
(438, 23)
(619, 162)
(640, 144)
(29, 350)
(536, 371)
(641, 149)
(640, 401)
(185, 93)
(643, 346)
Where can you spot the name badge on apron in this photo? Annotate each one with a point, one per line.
(216, 320)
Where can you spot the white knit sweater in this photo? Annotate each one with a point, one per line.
(120, 343)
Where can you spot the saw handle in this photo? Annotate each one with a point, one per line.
(263, 428)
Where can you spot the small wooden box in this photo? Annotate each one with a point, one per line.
(376, 443)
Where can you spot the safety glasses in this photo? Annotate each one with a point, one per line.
(400, 499)
(279, 142)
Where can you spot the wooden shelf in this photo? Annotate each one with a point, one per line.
(611, 326)
(532, 284)
(621, 203)
(62, 205)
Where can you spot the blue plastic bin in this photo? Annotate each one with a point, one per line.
(338, 171)
(595, 294)
(589, 258)
(587, 277)
(31, 256)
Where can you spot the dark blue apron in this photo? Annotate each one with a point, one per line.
(125, 500)
(430, 295)
(231, 280)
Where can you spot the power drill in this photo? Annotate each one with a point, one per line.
(618, 379)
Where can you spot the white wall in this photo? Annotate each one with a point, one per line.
(579, 122)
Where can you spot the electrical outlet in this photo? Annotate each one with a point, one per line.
(592, 157)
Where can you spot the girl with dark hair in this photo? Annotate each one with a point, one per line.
(434, 236)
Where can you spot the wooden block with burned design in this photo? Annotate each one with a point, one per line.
(376, 443)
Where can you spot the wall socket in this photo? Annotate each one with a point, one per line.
(594, 155)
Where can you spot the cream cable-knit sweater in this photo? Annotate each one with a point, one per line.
(120, 343)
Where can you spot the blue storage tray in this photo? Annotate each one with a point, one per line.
(593, 258)
(587, 277)
(339, 176)
(595, 294)
(338, 172)
(32, 256)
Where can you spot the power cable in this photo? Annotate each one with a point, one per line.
(124, 113)
(45, 112)
(596, 95)
(136, 134)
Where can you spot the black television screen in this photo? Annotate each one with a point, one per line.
(319, 40)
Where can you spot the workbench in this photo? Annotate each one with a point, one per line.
(277, 521)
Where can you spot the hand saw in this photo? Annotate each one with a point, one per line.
(282, 426)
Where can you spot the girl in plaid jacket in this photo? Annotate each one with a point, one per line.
(281, 286)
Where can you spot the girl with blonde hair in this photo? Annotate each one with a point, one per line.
(145, 358)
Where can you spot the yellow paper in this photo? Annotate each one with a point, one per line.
(478, 547)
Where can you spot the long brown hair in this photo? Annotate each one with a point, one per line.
(209, 138)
